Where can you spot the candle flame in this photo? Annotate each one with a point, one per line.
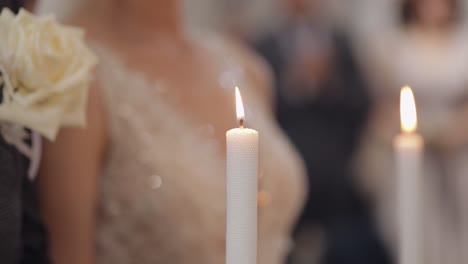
(239, 108)
(408, 115)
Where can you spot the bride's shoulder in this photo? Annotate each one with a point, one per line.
(255, 69)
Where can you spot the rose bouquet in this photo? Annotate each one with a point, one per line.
(44, 73)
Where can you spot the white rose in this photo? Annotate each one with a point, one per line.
(47, 66)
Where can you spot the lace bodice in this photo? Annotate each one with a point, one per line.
(162, 191)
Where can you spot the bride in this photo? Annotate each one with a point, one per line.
(145, 182)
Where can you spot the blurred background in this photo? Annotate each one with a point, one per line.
(337, 67)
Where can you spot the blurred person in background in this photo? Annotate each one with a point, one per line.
(427, 49)
(145, 182)
(322, 104)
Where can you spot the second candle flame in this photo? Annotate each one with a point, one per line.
(239, 108)
(409, 119)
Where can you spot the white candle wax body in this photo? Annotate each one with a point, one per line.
(242, 189)
(409, 154)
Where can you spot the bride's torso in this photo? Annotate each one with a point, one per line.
(162, 192)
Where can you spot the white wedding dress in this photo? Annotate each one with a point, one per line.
(162, 191)
(163, 185)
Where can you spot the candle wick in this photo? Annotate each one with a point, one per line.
(241, 123)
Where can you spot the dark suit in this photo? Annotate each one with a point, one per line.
(11, 172)
(326, 128)
(22, 235)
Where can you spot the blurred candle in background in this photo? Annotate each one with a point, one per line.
(409, 148)
(242, 189)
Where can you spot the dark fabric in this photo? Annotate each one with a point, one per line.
(23, 238)
(326, 130)
(14, 5)
(353, 241)
(10, 194)
(10, 204)
(33, 233)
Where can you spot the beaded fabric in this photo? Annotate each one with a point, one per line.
(163, 188)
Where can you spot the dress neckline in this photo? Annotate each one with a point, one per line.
(114, 64)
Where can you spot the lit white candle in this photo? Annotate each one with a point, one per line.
(409, 148)
(242, 188)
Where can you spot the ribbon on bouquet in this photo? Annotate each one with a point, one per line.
(16, 136)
